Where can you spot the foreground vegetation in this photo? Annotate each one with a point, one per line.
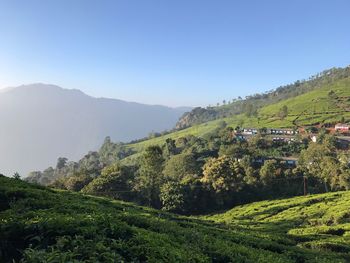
(38, 224)
(320, 222)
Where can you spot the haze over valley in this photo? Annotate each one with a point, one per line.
(41, 122)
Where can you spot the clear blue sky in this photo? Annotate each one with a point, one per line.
(180, 52)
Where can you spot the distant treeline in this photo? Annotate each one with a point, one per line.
(193, 175)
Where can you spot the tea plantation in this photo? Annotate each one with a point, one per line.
(38, 224)
(325, 109)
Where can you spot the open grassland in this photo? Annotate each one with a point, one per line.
(38, 224)
(307, 109)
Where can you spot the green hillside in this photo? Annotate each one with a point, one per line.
(317, 106)
(320, 222)
(38, 224)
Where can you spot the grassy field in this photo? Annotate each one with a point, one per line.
(310, 108)
(38, 224)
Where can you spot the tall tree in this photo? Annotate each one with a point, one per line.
(222, 174)
(150, 175)
(115, 181)
(283, 112)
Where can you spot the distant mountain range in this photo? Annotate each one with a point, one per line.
(39, 123)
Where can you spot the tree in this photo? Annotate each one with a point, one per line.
(258, 142)
(169, 148)
(179, 166)
(34, 177)
(250, 174)
(249, 109)
(172, 197)
(111, 152)
(222, 174)
(61, 162)
(77, 182)
(91, 164)
(222, 124)
(268, 171)
(332, 94)
(311, 161)
(283, 112)
(150, 176)
(115, 181)
(16, 176)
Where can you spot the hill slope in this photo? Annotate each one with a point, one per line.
(320, 222)
(38, 224)
(254, 102)
(42, 122)
(328, 103)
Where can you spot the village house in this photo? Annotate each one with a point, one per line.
(240, 137)
(341, 127)
(290, 161)
(313, 138)
(283, 131)
(250, 131)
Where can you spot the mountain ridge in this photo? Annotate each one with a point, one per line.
(44, 87)
(42, 122)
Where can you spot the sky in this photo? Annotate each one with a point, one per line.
(176, 53)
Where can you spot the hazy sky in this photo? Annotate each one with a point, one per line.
(171, 52)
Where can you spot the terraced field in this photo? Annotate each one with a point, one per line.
(318, 222)
(38, 224)
(307, 109)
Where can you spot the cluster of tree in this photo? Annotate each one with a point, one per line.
(195, 175)
(250, 104)
(90, 165)
(320, 161)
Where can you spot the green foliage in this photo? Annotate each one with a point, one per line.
(307, 103)
(150, 177)
(283, 113)
(253, 106)
(268, 171)
(181, 165)
(172, 197)
(77, 182)
(16, 176)
(111, 152)
(115, 181)
(317, 222)
(194, 175)
(38, 224)
(222, 174)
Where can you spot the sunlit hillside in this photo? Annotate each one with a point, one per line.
(38, 224)
(329, 104)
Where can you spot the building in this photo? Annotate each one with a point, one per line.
(250, 131)
(289, 161)
(341, 127)
(313, 138)
(283, 139)
(283, 131)
(240, 137)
